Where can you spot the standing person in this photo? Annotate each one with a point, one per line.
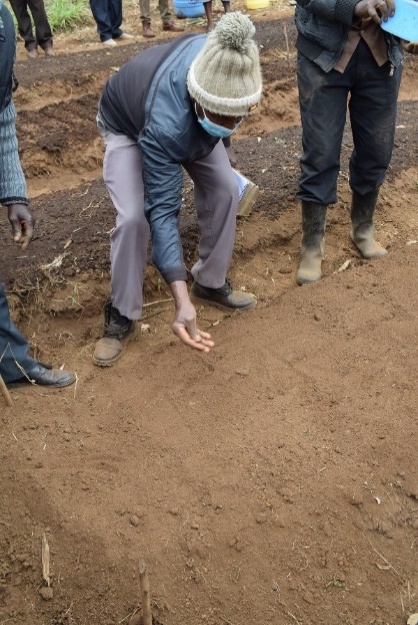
(168, 108)
(15, 363)
(208, 5)
(43, 32)
(168, 24)
(344, 55)
(108, 17)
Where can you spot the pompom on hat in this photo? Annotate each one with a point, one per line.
(225, 77)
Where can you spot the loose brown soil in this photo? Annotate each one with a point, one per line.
(274, 480)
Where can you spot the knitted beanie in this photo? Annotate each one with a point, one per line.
(225, 77)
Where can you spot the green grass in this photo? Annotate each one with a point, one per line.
(67, 14)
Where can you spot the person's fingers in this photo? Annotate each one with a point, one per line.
(27, 229)
(411, 46)
(202, 337)
(16, 229)
(195, 341)
(391, 7)
(374, 15)
(384, 11)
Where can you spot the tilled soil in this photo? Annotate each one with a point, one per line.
(274, 480)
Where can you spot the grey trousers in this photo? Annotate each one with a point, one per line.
(216, 201)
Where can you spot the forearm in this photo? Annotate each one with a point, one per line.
(179, 292)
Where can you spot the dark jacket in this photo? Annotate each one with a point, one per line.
(7, 55)
(323, 27)
(148, 100)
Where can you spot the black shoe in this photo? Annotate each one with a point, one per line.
(54, 378)
(118, 330)
(225, 297)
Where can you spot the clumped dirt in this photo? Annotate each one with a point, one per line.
(274, 480)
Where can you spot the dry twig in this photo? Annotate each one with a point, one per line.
(145, 597)
(5, 392)
(286, 40)
(45, 560)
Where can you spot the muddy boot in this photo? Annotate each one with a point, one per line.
(362, 233)
(312, 245)
(118, 330)
(147, 30)
(173, 27)
(224, 298)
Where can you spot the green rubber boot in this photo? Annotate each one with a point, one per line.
(313, 242)
(362, 233)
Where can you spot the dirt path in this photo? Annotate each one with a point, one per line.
(274, 480)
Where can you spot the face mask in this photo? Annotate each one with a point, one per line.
(213, 129)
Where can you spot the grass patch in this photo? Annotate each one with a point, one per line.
(67, 14)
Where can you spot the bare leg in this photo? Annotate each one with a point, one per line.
(209, 17)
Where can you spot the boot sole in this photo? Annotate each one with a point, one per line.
(111, 362)
(302, 281)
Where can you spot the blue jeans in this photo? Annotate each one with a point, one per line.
(13, 346)
(371, 93)
(108, 17)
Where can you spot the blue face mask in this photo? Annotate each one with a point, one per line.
(216, 130)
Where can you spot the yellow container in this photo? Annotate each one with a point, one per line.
(257, 4)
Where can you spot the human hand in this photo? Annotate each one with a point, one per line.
(410, 46)
(22, 222)
(378, 10)
(184, 324)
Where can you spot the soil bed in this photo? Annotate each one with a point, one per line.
(274, 480)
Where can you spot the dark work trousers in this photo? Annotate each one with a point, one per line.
(108, 17)
(42, 28)
(14, 359)
(371, 92)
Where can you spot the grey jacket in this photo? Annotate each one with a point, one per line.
(323, 27)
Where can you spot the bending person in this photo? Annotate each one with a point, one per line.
(167, 108)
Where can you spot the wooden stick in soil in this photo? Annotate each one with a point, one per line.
(5, 392)
(145, 597)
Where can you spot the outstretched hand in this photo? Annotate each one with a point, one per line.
(184, 324)
(22, 222)
(378, 10)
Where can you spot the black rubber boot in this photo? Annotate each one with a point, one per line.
(313, 240)
(362, 233)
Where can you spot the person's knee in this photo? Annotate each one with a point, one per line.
(226, 191)
(133, 222)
